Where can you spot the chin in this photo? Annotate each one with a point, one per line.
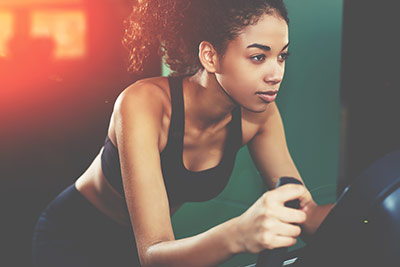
(257, 108)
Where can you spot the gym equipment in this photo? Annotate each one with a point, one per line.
(275, 257)
(363, 229)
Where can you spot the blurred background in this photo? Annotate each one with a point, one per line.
(62, 65)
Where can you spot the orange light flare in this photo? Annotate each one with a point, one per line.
(37, 37)
(41, 41)
(66, 29)
(6, 32)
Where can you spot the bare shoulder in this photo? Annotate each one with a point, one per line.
(148, 98)
(151, 91)
(254, 122)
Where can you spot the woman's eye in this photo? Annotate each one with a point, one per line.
(258, 58)
(283, 56)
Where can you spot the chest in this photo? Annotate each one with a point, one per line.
(197, 167)
(204, 149)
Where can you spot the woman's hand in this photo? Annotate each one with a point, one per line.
(268, 224)
(315, 214)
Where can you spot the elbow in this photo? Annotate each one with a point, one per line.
(148, 256)
(145, 257)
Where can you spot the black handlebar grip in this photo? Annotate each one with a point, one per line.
(295, 204)
(275, 257)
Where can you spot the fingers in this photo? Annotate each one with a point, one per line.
(269, 223)
(289, 215)
(276, 241)
(274, 200)
(288, 192)
(278, 234)
(282, 229)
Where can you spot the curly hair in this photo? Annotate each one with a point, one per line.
(177, 27)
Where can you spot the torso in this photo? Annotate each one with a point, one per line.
(202, 150)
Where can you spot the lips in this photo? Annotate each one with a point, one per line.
(272, 92)
(267, 96)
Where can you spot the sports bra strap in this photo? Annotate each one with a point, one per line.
(177, 124)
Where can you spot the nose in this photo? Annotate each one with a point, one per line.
(274, 73)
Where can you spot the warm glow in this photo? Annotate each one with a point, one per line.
(24, 3)
(6, 32)
(66, 28)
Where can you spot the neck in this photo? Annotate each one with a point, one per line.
(208, 104)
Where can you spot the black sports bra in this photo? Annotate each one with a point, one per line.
(182, 185)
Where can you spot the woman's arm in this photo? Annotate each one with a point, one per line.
(138, 122)
(271, 156)
(269, 150)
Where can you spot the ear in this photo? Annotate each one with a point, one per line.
(208, 57)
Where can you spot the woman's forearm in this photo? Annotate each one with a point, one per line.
(315, 218)
(209, 248)
(266, 224)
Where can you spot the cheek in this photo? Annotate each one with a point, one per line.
(240, 89)
(233, 84)
(234, 76)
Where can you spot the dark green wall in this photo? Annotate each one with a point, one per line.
(309, 104)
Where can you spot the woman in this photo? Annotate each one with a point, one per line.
(174, 139)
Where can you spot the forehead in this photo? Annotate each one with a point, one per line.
(270, 30)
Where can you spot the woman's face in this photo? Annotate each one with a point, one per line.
(252, 68)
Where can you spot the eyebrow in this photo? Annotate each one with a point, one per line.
(265, 47)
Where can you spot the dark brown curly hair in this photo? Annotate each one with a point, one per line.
(179, 26)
